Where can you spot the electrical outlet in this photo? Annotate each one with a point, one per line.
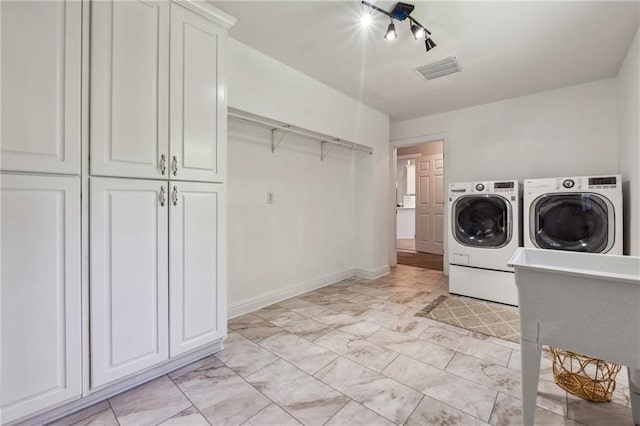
(269, 197)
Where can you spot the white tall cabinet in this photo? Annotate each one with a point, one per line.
(40, 287)
(41, 348)
(157, 253)
(41, 54)
(129, 285)
(113, 159)
(129, 88)
(196, 265)
(198, 115)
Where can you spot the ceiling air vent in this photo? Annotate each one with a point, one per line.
(440, 68)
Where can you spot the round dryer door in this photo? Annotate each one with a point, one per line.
(573, 222)
(482, 221)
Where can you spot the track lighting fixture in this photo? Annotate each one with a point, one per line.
(391, 31)
(429, 44)
(400, 12)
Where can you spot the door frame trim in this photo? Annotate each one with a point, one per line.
(394, 144)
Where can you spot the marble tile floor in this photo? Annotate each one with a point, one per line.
(353, 354)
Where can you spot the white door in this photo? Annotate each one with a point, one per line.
(41, 49)
(430, 204)
(197, 267)
(198, 112)
(41, 348)
(129, 88)
(129, 277)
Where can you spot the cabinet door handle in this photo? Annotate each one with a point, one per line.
(162, 196)
(163, 164)
(174, 196)
(174, 165)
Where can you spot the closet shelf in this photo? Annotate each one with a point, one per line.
(280, 129)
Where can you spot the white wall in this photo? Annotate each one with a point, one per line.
(629, 143)
(307, 234)
(327, 218)
(564, 132)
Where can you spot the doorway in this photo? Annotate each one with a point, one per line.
(420, 221)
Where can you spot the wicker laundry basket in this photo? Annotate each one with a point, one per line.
(589, 378)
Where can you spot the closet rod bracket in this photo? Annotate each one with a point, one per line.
(326, 148)
(276, 138)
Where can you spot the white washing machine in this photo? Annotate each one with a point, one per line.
(574, 214)
(484, 233)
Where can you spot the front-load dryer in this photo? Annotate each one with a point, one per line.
(574, 214)
(484, 234)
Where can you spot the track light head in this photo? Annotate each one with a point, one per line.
(429, 44)
(391, 32)
(365, 20)
(417, 30)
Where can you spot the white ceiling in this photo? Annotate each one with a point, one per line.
(507, 49)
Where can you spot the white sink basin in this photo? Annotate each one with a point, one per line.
(586, 303)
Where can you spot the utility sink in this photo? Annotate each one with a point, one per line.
(581, 302)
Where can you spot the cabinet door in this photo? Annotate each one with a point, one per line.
(197, 265)
(129, 290)
(41, 49)
(198, 102)
(129, 88)
(40, 292)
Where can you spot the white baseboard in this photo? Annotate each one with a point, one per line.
(49, 415)
(254, 303)
(372, 274)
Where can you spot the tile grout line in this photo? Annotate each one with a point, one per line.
(457, 350)
(416, 407)
(352, 399)
(327, 349)
(258, 413)
(177, 414)
(435, 399)
(451, 359)
(320, 380)
(87, 417)
(283, 408)
(113, 411)
(493, 407)
(270, 399)
(188, 399)
(341, 408)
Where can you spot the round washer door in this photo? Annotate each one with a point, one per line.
(573, 222)
(482, 221)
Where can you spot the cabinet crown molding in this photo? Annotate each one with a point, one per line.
(209, 11)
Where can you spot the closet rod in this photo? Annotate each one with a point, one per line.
(288, 128)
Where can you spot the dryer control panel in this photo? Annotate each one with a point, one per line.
(585, 183)
(605, 182)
